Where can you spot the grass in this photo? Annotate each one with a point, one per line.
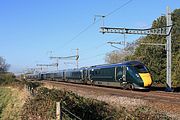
(10, 104)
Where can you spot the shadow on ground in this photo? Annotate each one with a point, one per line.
(175, 89)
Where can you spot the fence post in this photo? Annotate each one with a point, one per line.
(58, 111)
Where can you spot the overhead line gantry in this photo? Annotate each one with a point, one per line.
(47, 65)
(67, 57)
(163, 31)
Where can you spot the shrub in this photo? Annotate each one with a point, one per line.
(42, 106)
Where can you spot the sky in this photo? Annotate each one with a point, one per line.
(33, 30)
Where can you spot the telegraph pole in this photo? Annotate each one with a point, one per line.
(77, 58)
(163, 31)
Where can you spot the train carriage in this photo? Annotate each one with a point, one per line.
(74, 75)
(58, 75)
(132, 75)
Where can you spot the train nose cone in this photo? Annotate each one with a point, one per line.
(146, 77)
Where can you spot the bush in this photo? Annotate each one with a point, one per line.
(7, 78)
(42, 106)
(33, 85)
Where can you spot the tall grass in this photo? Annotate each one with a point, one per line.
(10, 104)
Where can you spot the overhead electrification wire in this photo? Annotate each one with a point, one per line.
(95, 47)
(90, 25)
(123, 5)
(92, 57)
(85, 29)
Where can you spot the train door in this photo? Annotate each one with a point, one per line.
(124, 74)
(82, 74)
(64, 75)
(85, 75)
(120, 75)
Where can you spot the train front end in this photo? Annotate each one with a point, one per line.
(144, 75)
(139, 75)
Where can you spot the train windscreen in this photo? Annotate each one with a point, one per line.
(141, 69)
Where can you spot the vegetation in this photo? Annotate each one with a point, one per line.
(11, 97)
(6, 78)
(3, 65)
(42, 107)
(9, 79)
(11, 103)
(154, 57)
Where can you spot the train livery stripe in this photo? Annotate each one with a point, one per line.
(146, 77)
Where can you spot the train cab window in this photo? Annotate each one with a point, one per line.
(141, 69)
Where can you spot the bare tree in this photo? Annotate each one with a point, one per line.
(3, 65)
(116, 56)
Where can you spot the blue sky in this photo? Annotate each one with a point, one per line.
(30, 29)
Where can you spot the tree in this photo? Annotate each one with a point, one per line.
(3, 65)
(118, 56)
(154, 57)
(115, 56)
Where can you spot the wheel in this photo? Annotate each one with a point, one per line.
(128, 86)
(131, 86)
(92, 82)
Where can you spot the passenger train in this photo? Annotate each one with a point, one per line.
(128, 75)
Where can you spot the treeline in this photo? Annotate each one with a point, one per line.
(154, 57)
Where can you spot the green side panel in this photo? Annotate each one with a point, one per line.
(103, 74)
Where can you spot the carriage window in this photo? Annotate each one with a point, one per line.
(141, 69)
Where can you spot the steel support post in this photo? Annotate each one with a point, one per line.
(168, 38)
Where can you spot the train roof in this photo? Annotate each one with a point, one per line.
(126, 63)
(134, 63)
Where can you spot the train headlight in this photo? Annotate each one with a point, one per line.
(137, 75)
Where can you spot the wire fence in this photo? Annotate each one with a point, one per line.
(62, 112)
